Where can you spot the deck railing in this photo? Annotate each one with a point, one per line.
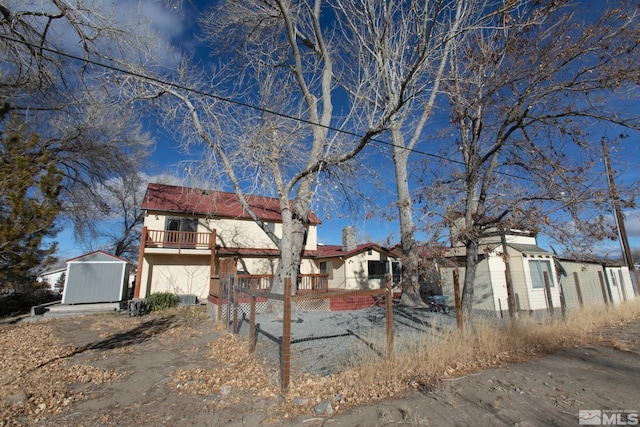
(309, 283)
(177, 239)
(262, 282)
(305, 284)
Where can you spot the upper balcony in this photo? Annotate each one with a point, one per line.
(169, 239)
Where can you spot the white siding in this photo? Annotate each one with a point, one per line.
(619, 284)
(232, 233)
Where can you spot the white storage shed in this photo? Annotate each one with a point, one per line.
(96, 277)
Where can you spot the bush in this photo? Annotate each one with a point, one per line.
(15, 303)
(159, 301)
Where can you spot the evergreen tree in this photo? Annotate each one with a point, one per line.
(59, 285)
(29, 190)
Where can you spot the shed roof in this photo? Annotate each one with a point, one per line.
(171, 198)
(97, 256)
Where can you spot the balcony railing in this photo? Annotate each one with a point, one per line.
(177, 239)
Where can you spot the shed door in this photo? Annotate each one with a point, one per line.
(91, 282)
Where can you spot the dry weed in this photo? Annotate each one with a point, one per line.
(412, 419)
(434, 358)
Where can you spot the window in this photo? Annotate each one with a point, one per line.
(182, 224)
(327, 268)
(538, 268)
(377, 269)
(271, 226)
(179, 230)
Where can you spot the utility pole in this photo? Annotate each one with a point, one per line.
(615, 203)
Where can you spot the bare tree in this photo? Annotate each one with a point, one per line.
(281, 57)
(401, 50)
(75, 107)
(524, 94)
(113, 220)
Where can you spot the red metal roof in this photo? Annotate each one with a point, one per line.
(332, 251)
(171, 198)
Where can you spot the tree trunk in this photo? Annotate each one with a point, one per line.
(294, 231)
(410, 257)
(469, 280)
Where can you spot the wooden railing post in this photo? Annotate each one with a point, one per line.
(143, 239)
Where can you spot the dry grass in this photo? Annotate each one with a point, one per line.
(433, 359)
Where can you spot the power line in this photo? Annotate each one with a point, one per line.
(233, 101)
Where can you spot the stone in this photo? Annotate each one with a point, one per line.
(324, 407)
(18, 398)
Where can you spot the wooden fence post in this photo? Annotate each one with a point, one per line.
(285, 358)
(252, 323)
(457, 299)
(603, 287)
(578, 290)
(234, 294)
(511, 301)
(389, 315)
(547, 288)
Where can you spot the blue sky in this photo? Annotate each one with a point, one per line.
(178, 27)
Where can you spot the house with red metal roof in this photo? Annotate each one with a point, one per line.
(192, 239)
(193, 236)
(356, 266)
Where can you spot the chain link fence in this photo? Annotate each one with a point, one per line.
(328, 332)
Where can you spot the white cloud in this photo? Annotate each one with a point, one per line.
(124, 26)
(632, 223)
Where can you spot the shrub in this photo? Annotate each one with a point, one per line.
(15, 303)
(159, 301)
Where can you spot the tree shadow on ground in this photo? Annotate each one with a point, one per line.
(137, 335)
(141, 333)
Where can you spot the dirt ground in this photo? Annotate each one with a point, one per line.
(113, 370)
